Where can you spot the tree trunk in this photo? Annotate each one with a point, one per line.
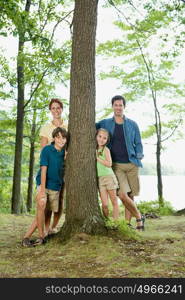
(31, 163)
(82, 209)
(30, 177)
(16, 189)
(159, 175)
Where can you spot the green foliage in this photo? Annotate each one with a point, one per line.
(122, 227)
(154, 207)
(149, 132)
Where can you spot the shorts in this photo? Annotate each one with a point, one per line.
(52, 199)
(108, 182)
(128, 178)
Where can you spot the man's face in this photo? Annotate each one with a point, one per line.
(118, 108)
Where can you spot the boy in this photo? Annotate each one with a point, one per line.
(49, 181)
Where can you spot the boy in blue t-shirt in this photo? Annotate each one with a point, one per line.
(49, 182)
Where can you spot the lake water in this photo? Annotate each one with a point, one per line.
(172, 189)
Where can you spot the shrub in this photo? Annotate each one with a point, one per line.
(154, 207)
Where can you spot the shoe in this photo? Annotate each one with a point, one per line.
(26, 243)
(141, 227)
(39, 241)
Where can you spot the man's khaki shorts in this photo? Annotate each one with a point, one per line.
(108, 182)
(128, 178)
(52, 199)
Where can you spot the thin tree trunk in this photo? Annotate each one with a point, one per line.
(16, 189)
(31, 163)
(159, 175)
(30, 177)
(82, 209)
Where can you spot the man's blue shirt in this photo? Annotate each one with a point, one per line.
(132, 138)
(54, 160)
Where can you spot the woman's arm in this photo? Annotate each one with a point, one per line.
(43, 141)
(108, 160)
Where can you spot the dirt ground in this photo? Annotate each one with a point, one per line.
(159, 251)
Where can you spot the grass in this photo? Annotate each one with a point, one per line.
(159, 251)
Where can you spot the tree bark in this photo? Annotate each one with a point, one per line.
(16, 189)
(31, 163)
(82, 208)
(159, 175)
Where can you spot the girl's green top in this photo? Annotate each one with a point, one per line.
(103, 170)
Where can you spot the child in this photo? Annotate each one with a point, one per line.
(49, 181)
(106, 179)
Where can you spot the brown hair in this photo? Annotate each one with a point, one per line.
(55, 100)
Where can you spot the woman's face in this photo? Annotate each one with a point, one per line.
(56, 110)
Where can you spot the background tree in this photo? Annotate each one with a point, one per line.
(82, 209)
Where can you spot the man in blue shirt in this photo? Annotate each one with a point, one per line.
(126, 151)
(49, 182)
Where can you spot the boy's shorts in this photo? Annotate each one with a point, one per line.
(52, 199)
(108, 182)
(128, 178)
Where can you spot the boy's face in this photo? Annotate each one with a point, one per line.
(60, 141)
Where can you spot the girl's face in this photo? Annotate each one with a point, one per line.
(60, 141)
(102, 138)
(56, 110)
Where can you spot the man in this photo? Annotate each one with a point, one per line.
(126, 151)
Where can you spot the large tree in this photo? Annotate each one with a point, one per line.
(82, 209)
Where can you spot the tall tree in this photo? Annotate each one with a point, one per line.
(82, 209)
(16, 189)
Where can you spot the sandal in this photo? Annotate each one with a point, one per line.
(26, 243)
(39, 241)
(141, 227)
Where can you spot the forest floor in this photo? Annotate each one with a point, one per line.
(159, 251)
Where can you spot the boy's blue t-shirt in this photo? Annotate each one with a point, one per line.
(54, 160)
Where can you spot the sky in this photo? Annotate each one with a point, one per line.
(106, 89)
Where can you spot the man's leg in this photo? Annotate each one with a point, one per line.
(128, 215)
(131, 206)
(132, 174)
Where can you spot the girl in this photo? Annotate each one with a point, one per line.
(107, 181)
